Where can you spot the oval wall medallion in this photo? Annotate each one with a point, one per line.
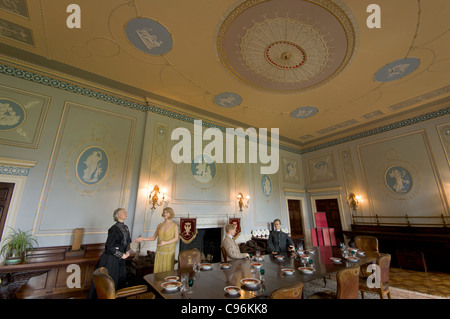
(12, 114)
(398, 180)
(148, 36)
(266, 185)
(205, 171)
(92, 165)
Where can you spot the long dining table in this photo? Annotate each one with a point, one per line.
(210, 284)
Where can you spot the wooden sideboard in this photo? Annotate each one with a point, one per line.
(44, 273)
(419, 248)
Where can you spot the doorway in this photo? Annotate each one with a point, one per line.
(331, 209)
(296, 218)
(6, 190)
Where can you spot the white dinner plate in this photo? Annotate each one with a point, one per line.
(171, 285)
(287, 271)
(171, 278)
(206, 266)
(306, 270)
(250, 282)
(232, 290)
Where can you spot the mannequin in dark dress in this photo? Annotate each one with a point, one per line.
(115, 254)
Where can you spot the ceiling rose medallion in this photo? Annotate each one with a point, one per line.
(286, 45)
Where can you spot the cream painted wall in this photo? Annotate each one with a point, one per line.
(360, 167)
(55, 199)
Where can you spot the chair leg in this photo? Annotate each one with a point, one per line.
(362, 294)
(325, 281)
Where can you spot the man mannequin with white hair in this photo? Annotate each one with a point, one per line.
(230, 245)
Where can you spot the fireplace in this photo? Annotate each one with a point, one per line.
(208, 241)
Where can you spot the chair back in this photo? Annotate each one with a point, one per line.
(187, 258)
(347, 283)
(104, 284)
(366, 243)
(289, 292)
(384, 262)
(224, 254)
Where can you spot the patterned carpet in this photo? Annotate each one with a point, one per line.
(405, 284)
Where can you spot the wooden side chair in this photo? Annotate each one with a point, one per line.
(383, 262)
(106, 289)
(368, 244)
(289, 292)
(224, 254)
(347, 281)
(187, 258)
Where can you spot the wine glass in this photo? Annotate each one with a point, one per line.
(305, 261)
(190, 283)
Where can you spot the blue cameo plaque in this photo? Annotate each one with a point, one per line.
(398, 179)
(203, 169)
(266, 185)
(148, 36)
(12, 114)
(92, 165)
(397, 69)
(227, 99)
(304, 112)
(290, 170)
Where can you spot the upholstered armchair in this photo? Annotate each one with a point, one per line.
(347, 281)
(290, 292)
(383, 262)
(106, 289)
(187, 258)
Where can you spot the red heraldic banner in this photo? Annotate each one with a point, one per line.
(188, 229)
(236, 221)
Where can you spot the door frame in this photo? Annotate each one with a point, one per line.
(301, 196)
(19, 181)
(330, 193)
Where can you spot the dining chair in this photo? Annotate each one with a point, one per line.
(347, 286)
(106, 289)
(187, 258)
(224, 254)
(383, 263)
(368, 244)
(289, 292)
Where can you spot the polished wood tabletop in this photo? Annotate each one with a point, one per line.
(210, 284)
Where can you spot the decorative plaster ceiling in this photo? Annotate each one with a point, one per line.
(315, 69)
(286, 45)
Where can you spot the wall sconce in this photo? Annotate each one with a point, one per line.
(243, 205)
(156, 197)
(353, 201)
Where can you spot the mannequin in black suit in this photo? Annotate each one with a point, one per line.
(279, 241)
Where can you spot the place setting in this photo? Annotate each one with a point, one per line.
(171, 286)
(336, 260)
(250, 283)
(232, 291)
(225, 266)
(206, 267)
(287, 271)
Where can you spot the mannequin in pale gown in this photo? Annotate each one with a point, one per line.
(167, 234)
